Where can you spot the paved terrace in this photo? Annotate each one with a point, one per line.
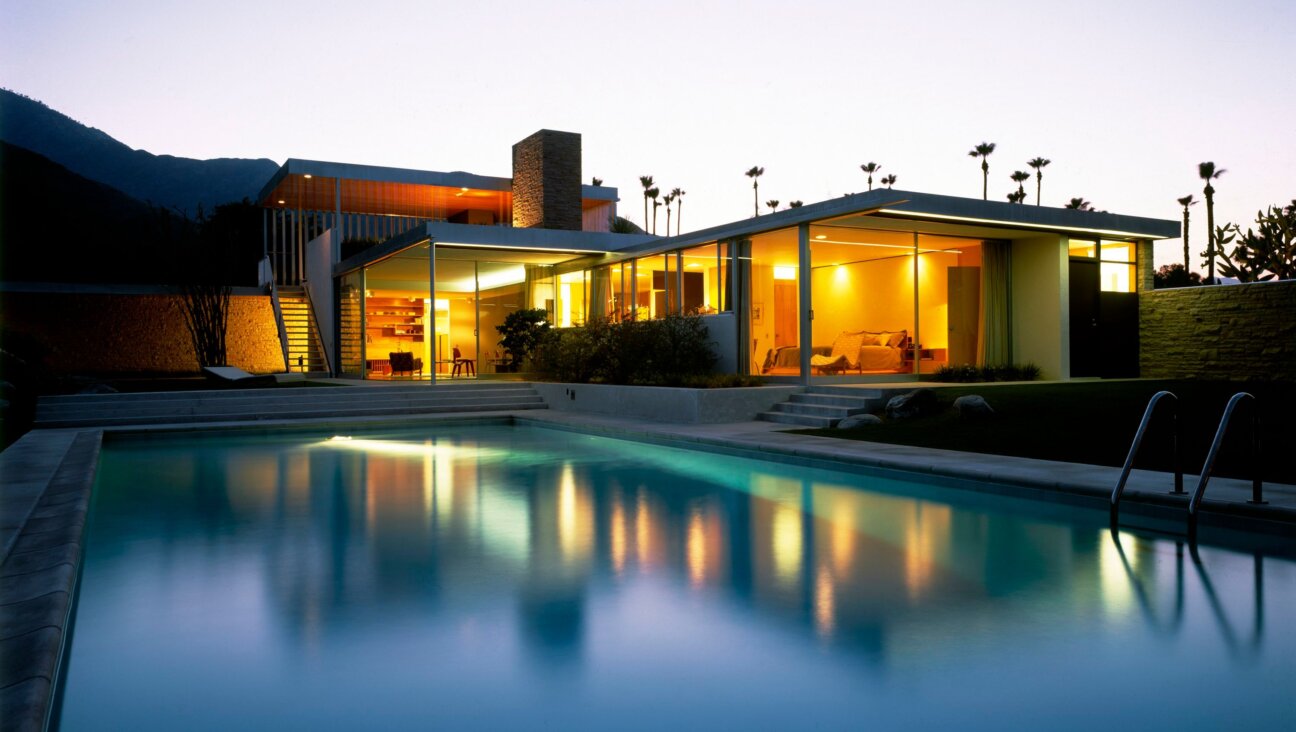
(47, 476)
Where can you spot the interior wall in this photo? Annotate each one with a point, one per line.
(876, 295)
(1040, 320)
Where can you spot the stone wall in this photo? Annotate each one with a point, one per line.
(547, 181)
(1225, 332)
(135, 333)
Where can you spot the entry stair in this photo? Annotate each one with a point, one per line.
(231, 405)
(825, 406)
(305, 351)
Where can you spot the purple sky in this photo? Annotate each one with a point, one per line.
(1124, 97)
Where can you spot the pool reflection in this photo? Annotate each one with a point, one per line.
(334, 541)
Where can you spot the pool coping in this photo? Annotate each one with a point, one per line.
(47, 482)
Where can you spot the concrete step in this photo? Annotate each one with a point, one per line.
(802, 420)
(847, 391)
(829, 400)
(821, 410)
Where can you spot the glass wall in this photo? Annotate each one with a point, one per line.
(704, 272)
(396, 317)
(501, 290)
(572, 302)
(351, 324)
(949, 303)
(774, 312)
(862, 285)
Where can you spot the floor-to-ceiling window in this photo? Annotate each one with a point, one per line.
(773, 310)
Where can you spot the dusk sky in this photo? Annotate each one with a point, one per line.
(1124, 97)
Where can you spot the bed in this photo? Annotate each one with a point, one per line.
(861, 351)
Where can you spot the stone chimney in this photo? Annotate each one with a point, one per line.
(547, 181)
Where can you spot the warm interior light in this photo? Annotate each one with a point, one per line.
(307, 176)
(281, 202)
(821, 236)
(693, 264)
(785, 273)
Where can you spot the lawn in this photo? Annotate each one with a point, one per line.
(1094, 422)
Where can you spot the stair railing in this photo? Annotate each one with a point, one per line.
(319, 334)
(1119, 489)
(1254, 458)
(278, 313)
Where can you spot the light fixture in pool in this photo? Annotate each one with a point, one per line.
(336, 438)
(423, 449)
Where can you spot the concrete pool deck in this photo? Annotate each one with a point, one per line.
(47, 476)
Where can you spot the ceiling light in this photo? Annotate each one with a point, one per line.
(463, 189)
(307, 176)
(821, 236)
(281, 202)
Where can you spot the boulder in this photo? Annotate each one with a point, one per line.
(972, 406)
(858, 420)
(917, 403)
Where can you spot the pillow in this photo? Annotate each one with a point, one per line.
(871, 338)
(847, 345)
(896, 339)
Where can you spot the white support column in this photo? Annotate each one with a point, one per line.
(917, 336)
(806, 338)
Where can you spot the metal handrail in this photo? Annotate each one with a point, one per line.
(278, 313)
(1256, 488)
(1119, 490)
(310, 301)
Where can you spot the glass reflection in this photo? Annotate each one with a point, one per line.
(523, 556)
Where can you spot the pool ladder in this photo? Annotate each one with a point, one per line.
(1194, 503)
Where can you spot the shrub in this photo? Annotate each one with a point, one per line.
(521, 332)
(1003, 372)
(664, 352)
(1174, 275)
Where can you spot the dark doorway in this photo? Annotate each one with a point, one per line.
(1104, 326)
(1083, 286)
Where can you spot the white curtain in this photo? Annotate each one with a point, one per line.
(598, 298)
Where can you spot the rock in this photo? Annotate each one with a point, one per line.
(858, 420)
(917, 403)
(972, 406)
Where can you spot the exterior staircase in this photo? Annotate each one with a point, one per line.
(825, 406)
(305, 350)
(233, 405)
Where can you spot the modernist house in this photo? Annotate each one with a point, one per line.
(887, 284)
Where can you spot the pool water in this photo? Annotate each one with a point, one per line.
(495, 578)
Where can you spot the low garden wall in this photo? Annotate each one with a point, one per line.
(664, 403)
(135, 332)
(1221, 332)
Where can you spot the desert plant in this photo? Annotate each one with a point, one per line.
(755, 173)
(773, 204)
(1020, 177)
(1016, 196)
(663, 352)
(870, 169)
(647, 182)
(678, 196)
(795, 204)
(983, 151)
(1207, 172)
(1186, 201)
(620, 225)
(1038, 164)
(521, 332)
(668, 199)
(1079, 204)
(888, 180)
(653, 193)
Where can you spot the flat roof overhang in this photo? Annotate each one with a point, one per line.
(577, 244)
(933, 214)
(312, 185)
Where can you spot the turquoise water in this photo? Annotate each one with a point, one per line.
(495, 578)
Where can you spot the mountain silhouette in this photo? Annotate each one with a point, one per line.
(172, 182)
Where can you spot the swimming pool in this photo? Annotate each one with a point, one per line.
(499, 577)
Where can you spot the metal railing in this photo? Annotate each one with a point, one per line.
(319, 334)
(1119, 489)
(1194, 503)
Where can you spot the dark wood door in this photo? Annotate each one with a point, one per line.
(1118, 331)
(1086, 358)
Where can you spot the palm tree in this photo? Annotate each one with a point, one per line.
(1186, 201)
(596, 181)
(1079, 204)
(1038, 164)
(679, 209)
(653, 193)
(755, 173)
(646, 181)
(669, 198)
(1019, 177)
(1207, 172)
(773, 204)
(888, 180)
(870, 168)
(794, 204)
(983, 151)
(1017, 196)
